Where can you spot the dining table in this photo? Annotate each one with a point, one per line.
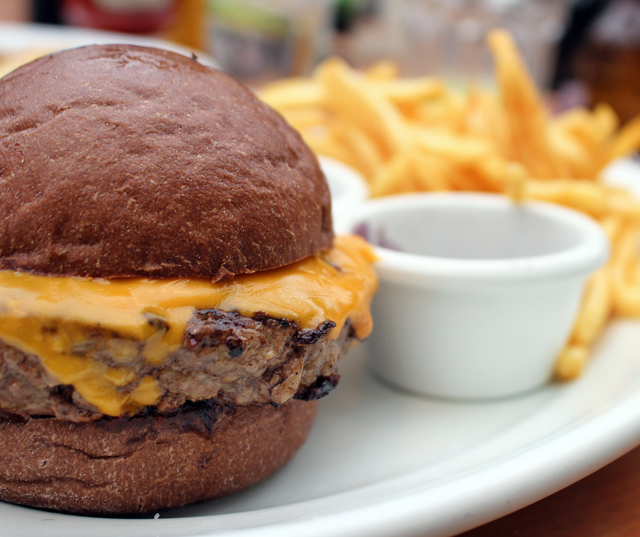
(603, 504)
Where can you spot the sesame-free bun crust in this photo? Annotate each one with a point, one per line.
(142, 464)
(120, 161)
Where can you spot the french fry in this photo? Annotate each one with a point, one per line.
(484, 117)
(527, 115)
(410, 92)
(583, 196)
(570, 362)
(324, 144)
(304, 118)
(348, 96)
(9, 63)
(592, 131)
(293, 94)
(445, 111)
(595, 310)
(468, 179)
(623, 204)
(382, 70)
(606, 122)
(462, 151)
(360, 145)
(624, 281)
(576, 158)
(432, 173)
(612, 226)
(394, 177)
(628, 140)
(516, 182)
(420, 134)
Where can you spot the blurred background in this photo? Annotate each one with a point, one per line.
(581, 51)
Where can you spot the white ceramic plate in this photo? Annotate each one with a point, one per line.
(383, 463)
(347, 186)
(18, 37)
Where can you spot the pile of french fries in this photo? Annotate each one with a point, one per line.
(419, 134)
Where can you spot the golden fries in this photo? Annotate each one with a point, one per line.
(627, 141)
(418, 134)
(15, 60)
(347, 95)
(571, 361)
(526, 115)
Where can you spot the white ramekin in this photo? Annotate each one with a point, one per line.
(477, 295)
(348, 187)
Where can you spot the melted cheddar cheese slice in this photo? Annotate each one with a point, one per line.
(48, 316)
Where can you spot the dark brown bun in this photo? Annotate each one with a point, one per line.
(126, 161)
(142, 464)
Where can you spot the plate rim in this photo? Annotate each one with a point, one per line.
(479, 494)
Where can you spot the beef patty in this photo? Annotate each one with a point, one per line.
(225, 357)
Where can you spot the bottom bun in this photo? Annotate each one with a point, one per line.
(147, 463)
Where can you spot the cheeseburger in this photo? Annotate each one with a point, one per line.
(172, 298)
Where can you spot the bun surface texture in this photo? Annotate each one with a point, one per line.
(146, 463)
(124, 161)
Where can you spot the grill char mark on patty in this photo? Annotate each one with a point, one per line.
(225, 357)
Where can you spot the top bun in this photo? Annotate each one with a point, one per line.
(121, 161)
